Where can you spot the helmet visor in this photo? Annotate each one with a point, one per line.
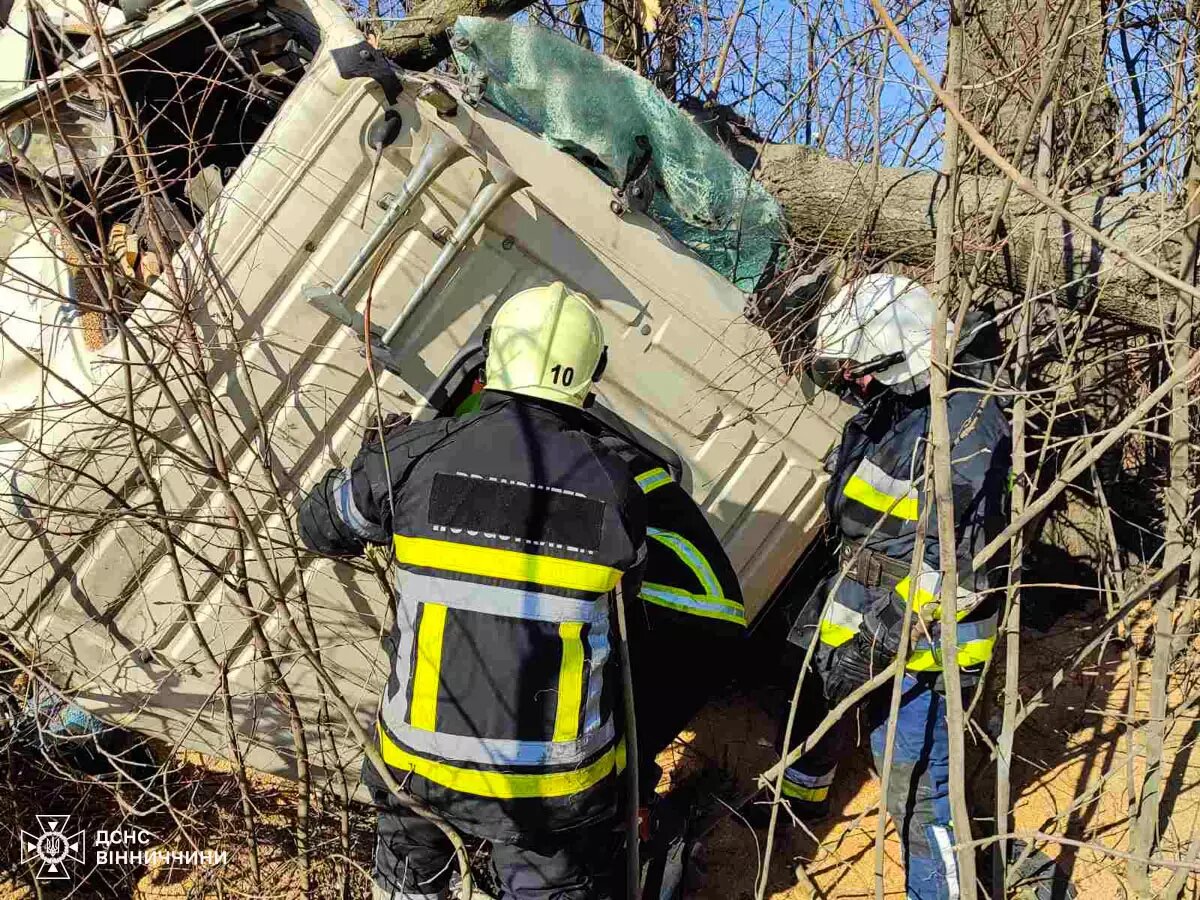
(826, 372)
(878, 364)
(833, 374)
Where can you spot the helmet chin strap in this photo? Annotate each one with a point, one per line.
(601, 365)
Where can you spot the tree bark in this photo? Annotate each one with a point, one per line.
(939, 438)
(620, 43)
(577, 16)
(830, 203)
(670, 33)
(1178, 499)
(420, 42)
(1005, 44)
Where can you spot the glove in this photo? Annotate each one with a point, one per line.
(881, 627)
(855, 663)
(392, 422)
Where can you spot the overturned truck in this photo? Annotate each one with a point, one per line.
(231, 235)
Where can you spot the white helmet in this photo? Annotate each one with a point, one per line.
(880, 321)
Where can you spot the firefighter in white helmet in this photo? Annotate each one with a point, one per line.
(511, 529)
(873, 345)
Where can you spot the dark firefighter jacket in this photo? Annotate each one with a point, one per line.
(685, 628)
(878, 493)
(511, 528)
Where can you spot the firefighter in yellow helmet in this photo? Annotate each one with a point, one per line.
(511, 530)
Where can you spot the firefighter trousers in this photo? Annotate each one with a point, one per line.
(414, 861)
(919, 786)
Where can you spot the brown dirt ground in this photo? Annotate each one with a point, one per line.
(1075, 746)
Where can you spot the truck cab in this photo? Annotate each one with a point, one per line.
(146, 533)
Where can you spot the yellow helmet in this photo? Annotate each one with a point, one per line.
(546, 342)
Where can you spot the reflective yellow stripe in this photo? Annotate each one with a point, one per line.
(839, 623)
(904, 589)
(798, 792)
(510, 565)
(570, 683)
(868, 495)
(972, 653)
(693, 604)
(427, 673)
(835, 635)
(925, 596)
(976, 653)
(689, 554)
(711, 604)
(654, 478)
(502, 785)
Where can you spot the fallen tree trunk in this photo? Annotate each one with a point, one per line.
(834, 204)
(420, 41)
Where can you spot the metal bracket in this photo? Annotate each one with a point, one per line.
(324, 299)
(439, 153)
(327, 301)
(637, 192)
(364, 61)
(505, 182)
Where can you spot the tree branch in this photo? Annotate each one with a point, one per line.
(939, 438)
(420, 41)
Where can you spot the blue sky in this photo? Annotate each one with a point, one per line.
(861, 104)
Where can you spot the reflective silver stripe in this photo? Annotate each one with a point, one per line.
(855, 601)
(967, 632)
(599, 645)
(495, 600)
(978, 631)
(709, 607)
(839, 624)
(498, 751)
(883, 482)
(692, 558)
(840, 614)
(929, 588)
(414, 589)
(945, 847)
(343, 495)
(967, 599)
(795, 776)
(403, 661)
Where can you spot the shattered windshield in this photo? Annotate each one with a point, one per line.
(38, 36)
(76, 134)
(612, 119)
(199, 101)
